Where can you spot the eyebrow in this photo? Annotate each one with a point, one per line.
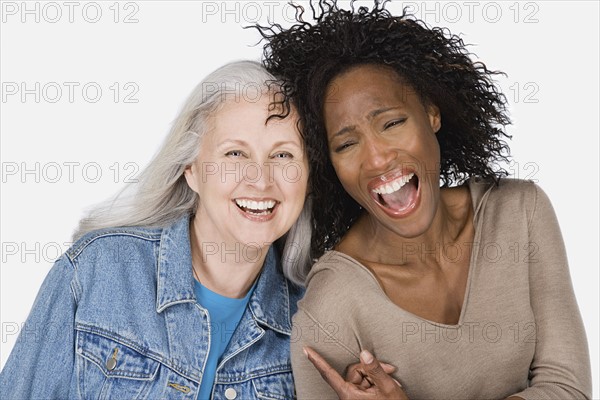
(244, 143)
(371, 115)
(231, 141)
(283, 142)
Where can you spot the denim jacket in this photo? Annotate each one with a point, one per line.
(117, 318)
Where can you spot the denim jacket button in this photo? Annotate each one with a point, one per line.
(230, 394)
(111, 364)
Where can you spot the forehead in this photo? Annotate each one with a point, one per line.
(245, 117)
(267, 103)
(362, 89)
(372, 78)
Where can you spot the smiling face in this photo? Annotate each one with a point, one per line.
(251, 177)
(383, 147)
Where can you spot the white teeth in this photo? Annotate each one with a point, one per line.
(393, 186)
(255, 205)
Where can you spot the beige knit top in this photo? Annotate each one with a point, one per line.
(519, 333)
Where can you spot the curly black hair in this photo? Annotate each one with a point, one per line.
(435, 63)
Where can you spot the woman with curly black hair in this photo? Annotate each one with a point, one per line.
(414, 221)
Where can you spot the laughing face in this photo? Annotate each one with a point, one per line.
(383, 147)
(251, 177)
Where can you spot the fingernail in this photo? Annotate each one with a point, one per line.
(366, 357)
(305, 352)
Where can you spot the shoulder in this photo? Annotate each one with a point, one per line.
(332, 268)
(340, 295)
(505, 188)
(513, 200)
(333, 283)
(111, 260)
(507, 197)
(111, 240)
(516, 187)
(120, 253)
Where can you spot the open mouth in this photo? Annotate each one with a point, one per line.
(257, 208)
(398, 196)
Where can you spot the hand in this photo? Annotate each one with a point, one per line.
(355, 373)
(380, 384)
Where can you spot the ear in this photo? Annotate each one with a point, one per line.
(435, 118)
(191, 177)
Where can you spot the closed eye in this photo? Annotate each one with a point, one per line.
(394, 123)
(343, 146)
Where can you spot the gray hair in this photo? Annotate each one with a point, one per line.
(162, 195)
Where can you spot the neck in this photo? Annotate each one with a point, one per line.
(227, 268)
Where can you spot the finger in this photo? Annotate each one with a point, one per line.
(329, 374)
(388, 368)
(354, 374)
(375, 371)
(365, 383)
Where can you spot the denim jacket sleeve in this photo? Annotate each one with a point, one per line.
(41, 365)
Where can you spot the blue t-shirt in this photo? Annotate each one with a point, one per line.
(225, 314)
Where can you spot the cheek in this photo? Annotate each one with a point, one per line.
(217, 185)
(434, 145)
(292, 176)
(434, 160)
(294, 197)
(345, 173)
(300, 185)
(293, 183)
(427, 154)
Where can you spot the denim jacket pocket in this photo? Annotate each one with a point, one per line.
(279, 386)
(108, 369)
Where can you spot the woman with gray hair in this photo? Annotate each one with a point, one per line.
(184, 284)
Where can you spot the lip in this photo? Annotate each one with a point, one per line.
(253, 217)
(388, 177)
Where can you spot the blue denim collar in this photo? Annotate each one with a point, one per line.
(269, 304)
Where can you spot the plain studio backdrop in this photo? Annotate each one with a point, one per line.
(89, 90)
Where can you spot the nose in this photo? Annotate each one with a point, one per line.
(258, 175)
(377, 154)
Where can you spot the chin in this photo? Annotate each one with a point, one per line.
(256, 238)
(411, 226)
